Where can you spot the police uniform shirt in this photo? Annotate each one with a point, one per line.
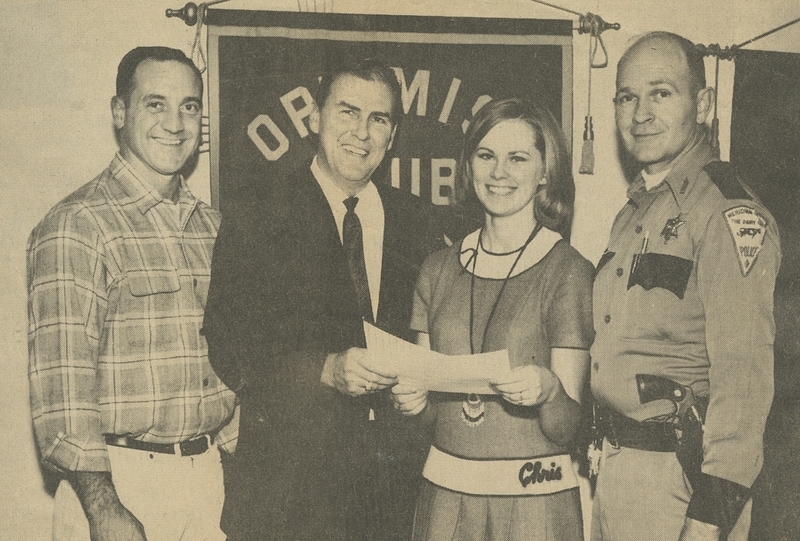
(685, 291)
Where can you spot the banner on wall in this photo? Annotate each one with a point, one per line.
(765, 148)
(264, 68)
(765, 142)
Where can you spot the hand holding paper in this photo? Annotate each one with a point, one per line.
(528, 385)
(432, 371)
(354, 372)
(409, 399)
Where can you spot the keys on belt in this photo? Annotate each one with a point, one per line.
(192, 447)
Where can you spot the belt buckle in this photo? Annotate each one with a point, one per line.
(179, 449)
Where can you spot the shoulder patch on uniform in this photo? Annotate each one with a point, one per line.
(724, 176)
(748, 229)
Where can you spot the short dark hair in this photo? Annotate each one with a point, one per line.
(368, 69)
(129, 63)
(554, 202)
(694, 56)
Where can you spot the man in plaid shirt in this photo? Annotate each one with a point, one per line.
(124, 401)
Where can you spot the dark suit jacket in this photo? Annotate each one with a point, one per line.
(309, 464)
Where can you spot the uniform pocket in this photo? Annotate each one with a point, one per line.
(660, 270)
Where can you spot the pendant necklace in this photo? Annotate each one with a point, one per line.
(472, 409)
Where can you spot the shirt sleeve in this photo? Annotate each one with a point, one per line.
(736, 278)
(228, 436)
(740, 333)
(569, 316)
(67, 303)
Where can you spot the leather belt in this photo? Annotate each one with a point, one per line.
(194, 446)
(622, 431)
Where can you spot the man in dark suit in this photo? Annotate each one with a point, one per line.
(322, 454)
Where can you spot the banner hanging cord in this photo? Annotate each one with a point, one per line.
(729, 53)
(194, 15)
(548, 4)
(767, 33)
(594, 25)
(587, 151)
(715, 121)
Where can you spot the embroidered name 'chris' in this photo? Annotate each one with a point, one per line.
(532, 472)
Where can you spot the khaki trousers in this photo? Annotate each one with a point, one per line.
(644, 495)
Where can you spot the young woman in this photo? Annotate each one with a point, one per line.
(499, 467)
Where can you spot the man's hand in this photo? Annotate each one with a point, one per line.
(116, 523)
(694, 530)
(528, 385)
(109, 520)
(352, 373)
(409, 400)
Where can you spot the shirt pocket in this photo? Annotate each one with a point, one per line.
(660, 270)
(147, 282)
(147, 316)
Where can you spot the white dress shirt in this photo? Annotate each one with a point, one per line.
(370, 212)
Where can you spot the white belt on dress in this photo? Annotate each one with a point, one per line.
(515, 477)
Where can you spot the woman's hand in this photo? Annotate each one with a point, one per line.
(409, 400)
(528, 385)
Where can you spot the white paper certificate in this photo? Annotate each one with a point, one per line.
(435, 371)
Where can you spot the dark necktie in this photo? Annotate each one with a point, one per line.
(353, 242)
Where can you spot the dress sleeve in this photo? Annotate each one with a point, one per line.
(569, 316)
(67, 304)
(423, 293)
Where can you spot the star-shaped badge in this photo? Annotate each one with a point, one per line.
(671, 228)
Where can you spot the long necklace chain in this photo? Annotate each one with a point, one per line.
(473, 411)
(521, 251)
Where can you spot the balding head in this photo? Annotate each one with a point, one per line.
(661, 100)
(671, 43)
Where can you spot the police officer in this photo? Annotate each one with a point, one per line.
(684, 292)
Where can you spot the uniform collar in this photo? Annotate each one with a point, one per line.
(681, 178)
(140, 192)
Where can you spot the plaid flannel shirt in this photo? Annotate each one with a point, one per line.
(117, 284)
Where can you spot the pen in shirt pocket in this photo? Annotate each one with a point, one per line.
(638, 256)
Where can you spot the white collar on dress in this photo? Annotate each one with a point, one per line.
(495, 266)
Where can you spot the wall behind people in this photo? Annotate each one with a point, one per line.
(57, 71)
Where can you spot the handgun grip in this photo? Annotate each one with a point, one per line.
(659, 388)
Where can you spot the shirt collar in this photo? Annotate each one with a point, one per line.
(651, 181)
(336, 196)
(141, 192)
(681, 178)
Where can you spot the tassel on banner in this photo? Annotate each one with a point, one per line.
(587, 152)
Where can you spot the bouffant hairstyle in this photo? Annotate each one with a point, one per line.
(554, 201)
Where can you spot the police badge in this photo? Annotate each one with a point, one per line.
(671, 228)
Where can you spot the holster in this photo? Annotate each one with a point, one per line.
(687, 419)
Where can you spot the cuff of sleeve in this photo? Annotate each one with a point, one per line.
(717, 501)
(68, 455)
